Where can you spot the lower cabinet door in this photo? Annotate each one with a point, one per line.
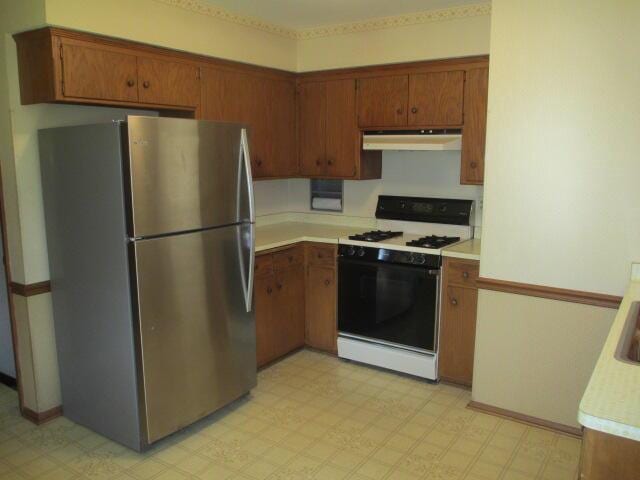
(289, 310)
(458, 334)
(263, 299)
(321, 330)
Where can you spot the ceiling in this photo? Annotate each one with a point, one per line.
(300, 14)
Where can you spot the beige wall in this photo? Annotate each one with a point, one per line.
(561, 197)
(562, 201)
(432, 40)
(160, 24)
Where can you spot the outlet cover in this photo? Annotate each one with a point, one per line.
(635, 272)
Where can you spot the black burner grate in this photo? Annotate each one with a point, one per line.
(433, 241)
(375, 236)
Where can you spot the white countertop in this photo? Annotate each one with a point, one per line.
(469, 250)
(611, 402)
(287, 233)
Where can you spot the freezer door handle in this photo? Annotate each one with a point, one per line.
(245, 167)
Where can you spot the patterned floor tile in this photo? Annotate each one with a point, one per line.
(311, 417)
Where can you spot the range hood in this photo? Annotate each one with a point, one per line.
(435, 140)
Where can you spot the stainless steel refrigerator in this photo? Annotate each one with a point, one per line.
(150, 233)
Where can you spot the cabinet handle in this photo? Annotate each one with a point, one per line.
(130, 83)
(269, 290)
(465, 274)
(454, 302)
(399, 111)
(473, 164)
(414, 110)
(146, 84)
(327, 282)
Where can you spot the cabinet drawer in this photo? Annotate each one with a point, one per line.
(462, 272)
(321, 255)
(288, 258)
(264, 265)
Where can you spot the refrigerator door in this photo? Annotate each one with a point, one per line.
(186, 175)
(198, 345)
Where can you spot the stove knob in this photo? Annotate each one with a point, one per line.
(351, 251)
(361, 252)
(420, 258)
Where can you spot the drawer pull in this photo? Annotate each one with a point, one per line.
(454, 302)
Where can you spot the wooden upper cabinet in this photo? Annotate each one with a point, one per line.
(435, 98)
(312, 124)
(329, 138)
(281, 126)
(382, 101)
(168, 83)
(474, 132)
(342, 133)
(90, 72)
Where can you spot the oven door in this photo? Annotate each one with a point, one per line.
(389, 303)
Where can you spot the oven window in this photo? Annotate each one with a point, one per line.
(393, 303)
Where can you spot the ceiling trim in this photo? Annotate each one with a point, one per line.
(395, 21)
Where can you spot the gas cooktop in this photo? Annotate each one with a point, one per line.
(375, 236)
(433, 241)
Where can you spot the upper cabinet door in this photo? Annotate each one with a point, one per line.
(168, 83)
(382, 101)
(231, 96)
(98, 74)
(436, 98)
(282, 127)
(474, 132)
(312, 118)
(343, 136)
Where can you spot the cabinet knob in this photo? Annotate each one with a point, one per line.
(454, 302)
(399, 111)
(320, 255)
(130, 83)
(290, 259)
(327, 282)
(279, 286)
(258, 162)
(269, 290)
(465, 274)
(318, 162)
(414, 110)
(330, 162)
(473, 164)
(146, 84)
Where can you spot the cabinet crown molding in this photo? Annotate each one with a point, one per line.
(417, 18)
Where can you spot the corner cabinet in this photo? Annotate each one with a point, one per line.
(458, 320)
(330, 143)
(266, 105)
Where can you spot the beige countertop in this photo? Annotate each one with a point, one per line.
(611, 402)
(469, 250)
(287, 233)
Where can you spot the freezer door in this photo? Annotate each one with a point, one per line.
(186, 175)
(198, 345)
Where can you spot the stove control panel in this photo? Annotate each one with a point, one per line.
(385, 255)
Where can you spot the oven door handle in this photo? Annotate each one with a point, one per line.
(432, 272)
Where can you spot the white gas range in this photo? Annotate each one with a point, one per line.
(389, 283)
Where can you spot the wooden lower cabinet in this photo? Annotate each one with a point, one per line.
(279, 305)
(458, 321)
(321, 329)
(608, 457)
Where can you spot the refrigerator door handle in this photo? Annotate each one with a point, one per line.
(246, 159)
(247, 276)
